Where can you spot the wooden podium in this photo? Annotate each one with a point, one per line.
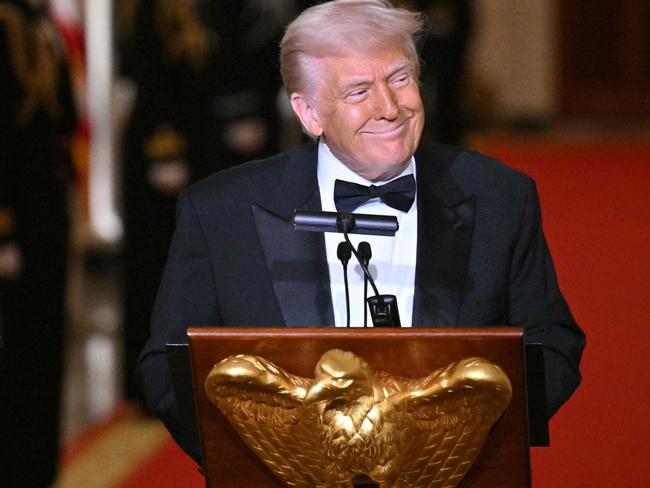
(504, 460)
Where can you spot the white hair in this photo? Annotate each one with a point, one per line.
(341, 26)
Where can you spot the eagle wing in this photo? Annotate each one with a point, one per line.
(447, 417)
(263, 402)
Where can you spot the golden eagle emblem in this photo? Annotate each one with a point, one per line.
(351, 424)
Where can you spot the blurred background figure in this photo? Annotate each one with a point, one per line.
(206, 83)
(445, 67)
(443, 51)
(37, 120)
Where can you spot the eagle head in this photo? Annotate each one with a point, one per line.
(339, 375)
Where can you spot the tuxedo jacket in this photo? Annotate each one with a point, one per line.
(482, 260)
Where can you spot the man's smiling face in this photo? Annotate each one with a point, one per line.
(368, 110)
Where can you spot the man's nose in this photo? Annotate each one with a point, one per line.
(385, 103)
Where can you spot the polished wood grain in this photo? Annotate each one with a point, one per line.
(504, 461)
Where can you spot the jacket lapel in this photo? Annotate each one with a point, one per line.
(445, 227)
(296, 260)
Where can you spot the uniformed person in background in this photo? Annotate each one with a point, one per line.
(37, 120)
(443, 51)
(206, 79)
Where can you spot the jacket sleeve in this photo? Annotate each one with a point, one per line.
(537, 304)
(186, 298)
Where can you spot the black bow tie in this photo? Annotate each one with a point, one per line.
(398, 194)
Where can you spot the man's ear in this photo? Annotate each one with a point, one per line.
(307, 114)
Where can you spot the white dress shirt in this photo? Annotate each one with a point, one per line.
(392, 265)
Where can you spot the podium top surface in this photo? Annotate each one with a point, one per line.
(371, 332)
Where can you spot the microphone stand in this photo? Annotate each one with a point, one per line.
(365, 251)
(344, 254)
(383, 308)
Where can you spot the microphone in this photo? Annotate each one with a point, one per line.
(315, 221)
(344, 253)
(365, 251)
(383, 308)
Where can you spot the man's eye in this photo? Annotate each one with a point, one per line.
(401, 80)
(357, 94)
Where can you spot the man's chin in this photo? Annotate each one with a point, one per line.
(380, 163)
(385, 170)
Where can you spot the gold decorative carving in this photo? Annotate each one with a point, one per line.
(351, 424)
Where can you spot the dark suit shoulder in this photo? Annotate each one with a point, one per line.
(249, 182)
(242, 180)
(487, 166)
(481, 174)
(468, 163)
(495, 184)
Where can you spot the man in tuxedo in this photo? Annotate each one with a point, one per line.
(470, 250)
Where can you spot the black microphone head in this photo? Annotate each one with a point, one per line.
(344, 252)
(365, 251)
